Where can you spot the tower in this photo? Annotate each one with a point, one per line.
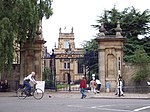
(66, 57)
(66, 40)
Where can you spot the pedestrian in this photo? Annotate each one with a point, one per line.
(93, 86)
(120, 86)
(93, 76)
(83, 87)
(5, 85)
(2, 85)
(98, 83)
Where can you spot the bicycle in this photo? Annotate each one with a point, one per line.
(37, 93)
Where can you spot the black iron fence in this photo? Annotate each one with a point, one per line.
(137, 89)
(64, 86)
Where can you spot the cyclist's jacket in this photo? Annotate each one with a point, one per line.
(30, 78)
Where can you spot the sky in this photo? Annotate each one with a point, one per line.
(81, 14)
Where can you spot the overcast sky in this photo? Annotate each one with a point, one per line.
(81, 14)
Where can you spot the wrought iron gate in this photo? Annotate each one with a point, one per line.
(67, 85)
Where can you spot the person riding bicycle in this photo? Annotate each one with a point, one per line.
(27, 80)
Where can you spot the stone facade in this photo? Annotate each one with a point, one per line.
(66, 57)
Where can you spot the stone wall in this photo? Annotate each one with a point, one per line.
(13, 78)
(128, 70)
(129, 86)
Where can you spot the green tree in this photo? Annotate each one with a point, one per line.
(141, 60)
(6, 34)
(91, 60)
(133, 23)
(145, 42)
(46, 74)
(19, 20)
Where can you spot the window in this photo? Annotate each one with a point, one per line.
(66, 65)
(66, 44)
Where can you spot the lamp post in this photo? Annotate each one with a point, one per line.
(54, 68)
(69, 76)
(119, 75)
(51, 72)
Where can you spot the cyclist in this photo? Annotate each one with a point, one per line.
(27, 80)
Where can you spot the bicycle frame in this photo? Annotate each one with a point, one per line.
(37, 93)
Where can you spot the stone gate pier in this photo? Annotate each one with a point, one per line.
(110, 57)
(32, 56)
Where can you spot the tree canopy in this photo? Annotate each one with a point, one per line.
(141, 59)
(133, 23)
(91, 56)
(19, 20)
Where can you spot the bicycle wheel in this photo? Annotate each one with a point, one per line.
(38, 94)
(21, 94)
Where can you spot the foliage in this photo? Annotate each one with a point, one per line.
(145, 42)
(49, 84)
(61, 86)
(133, 23)
(6, 35)
(46, 73)
(6, 42)
(91, 56)
(140, 56)
(91, 45)
(19, 21)
(141, 59)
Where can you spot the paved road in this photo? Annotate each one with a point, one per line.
(62, 102)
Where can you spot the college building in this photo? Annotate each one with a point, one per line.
(67, 59)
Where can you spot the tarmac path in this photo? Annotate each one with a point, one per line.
(71, 102)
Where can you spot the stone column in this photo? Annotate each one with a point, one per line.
(31, 59)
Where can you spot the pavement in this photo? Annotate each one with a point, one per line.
(76, 94)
